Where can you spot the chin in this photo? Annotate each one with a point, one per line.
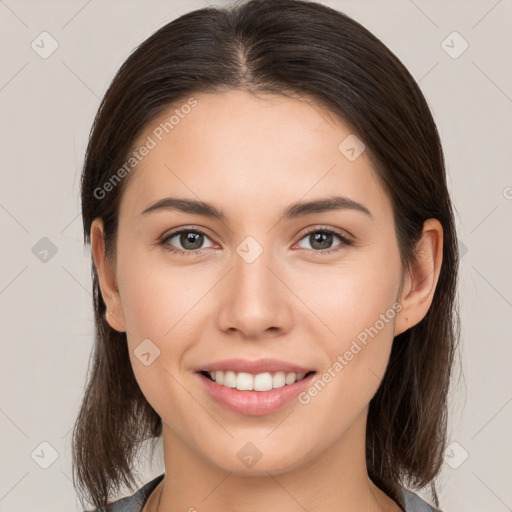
(254, 459)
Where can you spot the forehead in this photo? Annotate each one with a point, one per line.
(248, 153)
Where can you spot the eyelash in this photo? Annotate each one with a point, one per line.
(345, 241)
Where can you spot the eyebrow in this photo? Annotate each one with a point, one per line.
(293, 211)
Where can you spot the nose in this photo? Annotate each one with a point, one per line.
(253, 299)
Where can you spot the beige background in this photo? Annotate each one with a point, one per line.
(47, 106)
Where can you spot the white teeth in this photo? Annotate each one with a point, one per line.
(261, 382)
(230, 379)
(244, 381)
(278, 380)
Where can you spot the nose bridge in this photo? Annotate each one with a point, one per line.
(252, 302)
(252, 280)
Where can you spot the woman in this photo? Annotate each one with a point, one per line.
(274, 270)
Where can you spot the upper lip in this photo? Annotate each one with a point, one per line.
(254, 367)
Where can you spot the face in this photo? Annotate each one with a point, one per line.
(316, 288)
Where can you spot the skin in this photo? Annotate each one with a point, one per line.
(252, 157)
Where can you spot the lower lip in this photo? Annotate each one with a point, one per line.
(255, 403)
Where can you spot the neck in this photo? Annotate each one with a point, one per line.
(332, 480)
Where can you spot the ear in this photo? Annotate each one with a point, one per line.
(107, 278)
(419, 285)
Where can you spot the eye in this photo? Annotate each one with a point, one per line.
(191, 240)
(321, 239)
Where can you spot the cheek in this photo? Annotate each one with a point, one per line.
(154, 296)
(348, 300)
(157, 313)
(164, 305)
(357, 308)
(147, 310)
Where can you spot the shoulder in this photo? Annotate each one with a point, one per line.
(411, 502)
(136, 501)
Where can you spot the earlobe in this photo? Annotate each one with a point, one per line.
(420, 283)
(106, 277)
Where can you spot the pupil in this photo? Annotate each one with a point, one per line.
(325, 240)
(194, 238)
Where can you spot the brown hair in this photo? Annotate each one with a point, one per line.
(283, 47)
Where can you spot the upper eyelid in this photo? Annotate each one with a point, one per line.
(177, 231)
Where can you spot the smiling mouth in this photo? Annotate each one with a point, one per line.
(265, 381)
